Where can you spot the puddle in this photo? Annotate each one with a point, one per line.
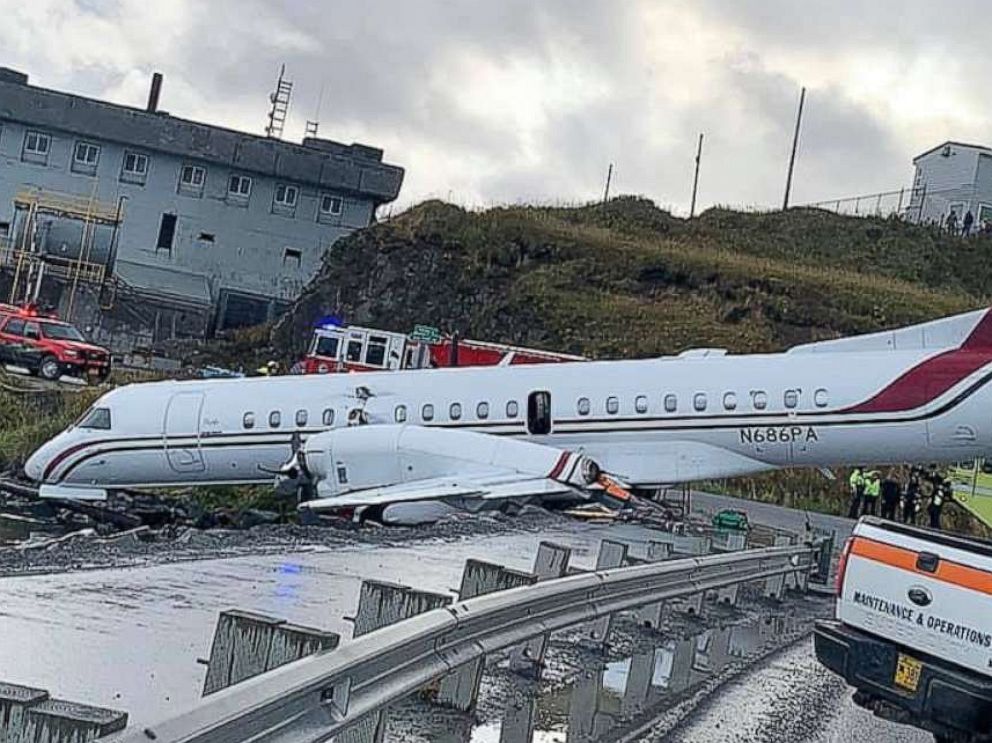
(616, 692)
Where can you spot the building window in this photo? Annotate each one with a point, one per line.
(331, 205)
(427, 412)
(86, 153)
(292, 257)
(641, 404)
(582, 407)
(193, 175)
(729, 401)
(166, 232)
(286, 196)
(328, 417)
(400, 414)
(759, 399)
(791, 398)
(671, 403)
(699, 402)
(301, 418)
(455, 411)
(482, 410)
(248, 421)
(135, 163)
(36, 147)
(134, 167)
(512, 409)
(275, 419)
(612, 405)
(239, 187)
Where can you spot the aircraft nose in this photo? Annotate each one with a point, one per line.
(35, 466)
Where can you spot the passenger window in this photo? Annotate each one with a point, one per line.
(97, 418)
(539, 413)
(759, 399)
(400, 414)
(729, 401)
(612, 405)
(328, 417)
(671, 403)
(512, 409)
(249, 420)
(427, 412)
(482, 410)
(275, 419)
(699, 402)
(301, 418)
(582, 406)
(791, 398)
(354, 352)
(821, 398)
(641, 404)
(455, 411)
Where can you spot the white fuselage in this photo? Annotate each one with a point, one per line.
(650, 422)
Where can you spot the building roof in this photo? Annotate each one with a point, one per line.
(354, 168)
(952, 143)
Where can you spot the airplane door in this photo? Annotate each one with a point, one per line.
(539, 413)
(182, 432)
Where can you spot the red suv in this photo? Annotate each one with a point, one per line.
(48, 347)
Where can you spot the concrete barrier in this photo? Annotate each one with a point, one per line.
(611, 555)
(246, 644)
(30, 715)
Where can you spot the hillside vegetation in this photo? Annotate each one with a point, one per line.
(626, 279)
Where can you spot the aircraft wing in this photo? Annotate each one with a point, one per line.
(442, 488)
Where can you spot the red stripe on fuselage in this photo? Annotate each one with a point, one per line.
(559, 465)
(980, 337)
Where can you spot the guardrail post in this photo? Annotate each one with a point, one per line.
(611, 555)
(379, 605)
(246, 644)
(551, 562)
(650, 615)
(775, 585)
(683, 658)
(15, 701)
(58, 721)
(583, 706)
(460, 688)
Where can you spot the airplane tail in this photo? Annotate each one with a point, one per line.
(971, 331)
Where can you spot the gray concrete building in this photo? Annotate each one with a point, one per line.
(143, 227)
(952, 176)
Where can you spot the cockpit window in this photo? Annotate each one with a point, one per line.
(98, 418)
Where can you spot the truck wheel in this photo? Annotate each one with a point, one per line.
(49, 368)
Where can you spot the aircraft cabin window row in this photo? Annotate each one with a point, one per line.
(482, 410)
(455, 411)
(275, 419)
(328, 417)
(641, 404)
(249, 420)
(612, 405)
(301, 418)
(699, 402)
(400, 414)
(512, 409)
(582, 406)
(729, 401)
(427, 412)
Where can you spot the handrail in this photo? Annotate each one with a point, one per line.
(311, 700)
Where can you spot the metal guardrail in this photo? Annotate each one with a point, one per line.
(313, 699)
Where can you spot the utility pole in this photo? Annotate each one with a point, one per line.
(609, 177)
(695, 178)
(795, 145)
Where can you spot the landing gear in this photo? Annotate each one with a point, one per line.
(371, 513)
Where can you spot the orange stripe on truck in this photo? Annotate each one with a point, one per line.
(905, 559)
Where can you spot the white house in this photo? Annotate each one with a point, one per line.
(952, 176)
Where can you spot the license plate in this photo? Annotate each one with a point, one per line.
(908, 672)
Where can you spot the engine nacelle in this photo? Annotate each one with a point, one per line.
(344, 460)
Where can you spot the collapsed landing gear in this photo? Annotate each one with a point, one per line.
(374, 514)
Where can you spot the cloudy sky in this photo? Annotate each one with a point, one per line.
(497, 101)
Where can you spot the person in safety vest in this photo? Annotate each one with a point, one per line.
(857, 483)
(873, 488)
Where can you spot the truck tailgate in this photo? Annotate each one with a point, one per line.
(922, 590)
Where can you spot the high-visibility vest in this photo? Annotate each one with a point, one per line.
(857, 479)
(872, 488)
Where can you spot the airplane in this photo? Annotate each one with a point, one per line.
(593, 429)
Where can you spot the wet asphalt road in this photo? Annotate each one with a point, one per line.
(129, 638)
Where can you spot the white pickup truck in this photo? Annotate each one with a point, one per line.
(913, 628)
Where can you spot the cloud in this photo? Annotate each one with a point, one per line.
(502, 102)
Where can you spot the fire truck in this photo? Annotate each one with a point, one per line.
(343, 348)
